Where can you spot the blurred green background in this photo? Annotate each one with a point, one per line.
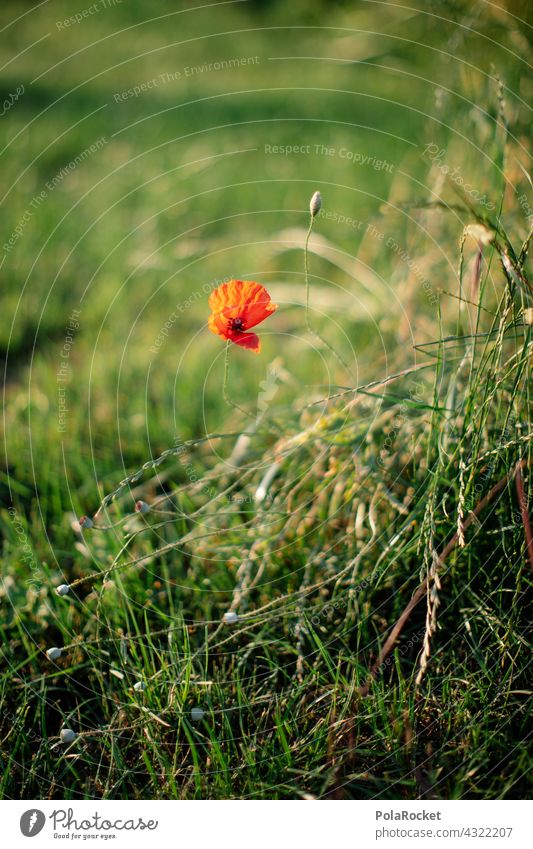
(128, 207)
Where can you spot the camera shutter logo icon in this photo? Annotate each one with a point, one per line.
(32, 822)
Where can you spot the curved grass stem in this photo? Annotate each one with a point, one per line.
(315, 333)
(225, 393)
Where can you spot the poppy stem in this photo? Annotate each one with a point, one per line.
(315, 333)
(227, 399)
(306, 267)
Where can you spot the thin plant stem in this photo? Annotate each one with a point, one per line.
(421, 592)
(225, 393)
(306, 267)
(315, 333)
(522, 502)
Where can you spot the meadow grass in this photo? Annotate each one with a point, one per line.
(331, 495)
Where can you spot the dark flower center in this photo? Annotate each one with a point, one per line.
(236, 324)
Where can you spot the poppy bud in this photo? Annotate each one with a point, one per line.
(140, 686)
(315, 204)
(85, 522)
(230, 618)
(142, 507)
(197, 714)
(53, 653)
(63, 589)
(67, 735)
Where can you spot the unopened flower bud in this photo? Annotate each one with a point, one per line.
(142, 507)
(528, 315)
(230, 617)
(315, 204)
(140, 686)
(85, 522)
(63, 589)
(67, 735)
(53, 653)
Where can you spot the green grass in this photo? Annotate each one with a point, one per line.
(378, 466)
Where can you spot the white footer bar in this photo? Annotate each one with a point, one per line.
(311, 824)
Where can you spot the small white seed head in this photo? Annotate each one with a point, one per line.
(67, 735)
(197, 714)
(140, 686)
(480, 233)
(528, 315)
(142, 507)
(63, 589)
(53, 653)
(261, 491)
(85, 522)
(315, 204)
(231, 617)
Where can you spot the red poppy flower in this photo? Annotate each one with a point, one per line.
(236, 306)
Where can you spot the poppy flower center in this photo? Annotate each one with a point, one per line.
(236, 324)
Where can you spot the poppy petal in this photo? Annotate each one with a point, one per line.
(217, 325)
(250, 341)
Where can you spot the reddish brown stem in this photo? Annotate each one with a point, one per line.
(522, 502)
(422, 589)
